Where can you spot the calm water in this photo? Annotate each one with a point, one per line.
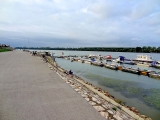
(137, 91)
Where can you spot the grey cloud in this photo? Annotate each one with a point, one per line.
(154, 19)
(144, 8)
(80, 23)
(109, 9)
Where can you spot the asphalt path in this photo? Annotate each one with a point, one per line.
(29, 90)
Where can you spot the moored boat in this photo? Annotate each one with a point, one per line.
(111, 66)
(91, 55)
(107, 58)
(87, 61)
(97, 63)
(146, 64)
(144, 58)
(120, 59)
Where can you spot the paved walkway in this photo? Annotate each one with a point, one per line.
(29, 90)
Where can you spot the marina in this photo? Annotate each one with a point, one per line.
(121, 66)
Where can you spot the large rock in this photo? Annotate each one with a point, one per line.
(92, 103)
(87, 99)
(94, 99)
(104, 114)
(99, 108)
(117, 117)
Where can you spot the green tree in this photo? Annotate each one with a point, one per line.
(158, 49)
(138, 49)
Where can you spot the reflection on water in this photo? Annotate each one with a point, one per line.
(138, 91)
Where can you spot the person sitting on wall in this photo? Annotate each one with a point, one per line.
(70, 72)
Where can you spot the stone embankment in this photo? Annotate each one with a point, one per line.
(108, 106)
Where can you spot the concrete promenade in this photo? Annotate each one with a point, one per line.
(29, 90)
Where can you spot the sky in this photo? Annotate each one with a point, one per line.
(80, 23)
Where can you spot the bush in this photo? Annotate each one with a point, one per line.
(114, 108)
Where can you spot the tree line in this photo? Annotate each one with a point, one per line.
(144, 49)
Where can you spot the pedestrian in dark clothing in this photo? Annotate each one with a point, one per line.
(70, 72)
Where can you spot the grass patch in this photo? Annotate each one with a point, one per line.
(4, 50)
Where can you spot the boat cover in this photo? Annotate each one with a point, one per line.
(121, 58)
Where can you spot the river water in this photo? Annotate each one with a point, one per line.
(137, 91)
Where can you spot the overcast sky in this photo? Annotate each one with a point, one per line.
(80, 23)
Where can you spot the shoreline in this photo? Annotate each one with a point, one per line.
(103, 95)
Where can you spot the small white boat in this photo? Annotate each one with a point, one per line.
(107, 58)
(67, 58)
(144, 64)
(87, 61)
(91, 55)
(144, 58)
(120, 59)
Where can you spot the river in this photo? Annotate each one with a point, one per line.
(137, 91)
